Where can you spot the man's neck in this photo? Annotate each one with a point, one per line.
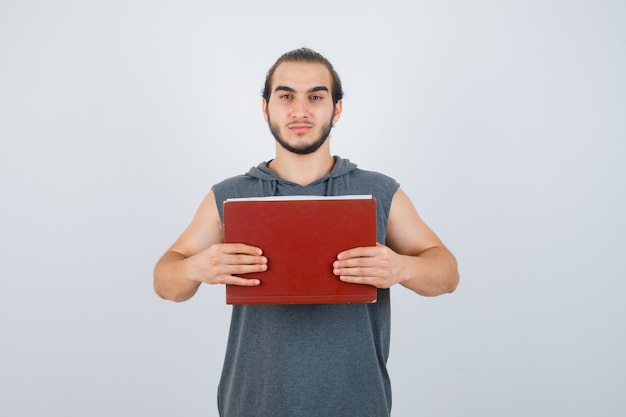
(302, 169)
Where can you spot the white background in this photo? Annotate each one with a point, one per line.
(503, 120)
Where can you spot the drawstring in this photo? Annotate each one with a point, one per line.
(329, 190)
(274, 188)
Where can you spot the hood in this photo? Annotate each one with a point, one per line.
(262, 172)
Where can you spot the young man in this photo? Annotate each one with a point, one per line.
(308, 360)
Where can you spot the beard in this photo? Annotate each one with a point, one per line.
(303, 149)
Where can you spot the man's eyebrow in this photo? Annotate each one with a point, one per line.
(318, 88)
(284, 88)
(291, 90)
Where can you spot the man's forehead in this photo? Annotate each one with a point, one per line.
(302, 75)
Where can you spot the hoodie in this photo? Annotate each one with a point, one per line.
(309, 360)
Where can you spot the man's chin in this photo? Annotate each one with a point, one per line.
(302, 149)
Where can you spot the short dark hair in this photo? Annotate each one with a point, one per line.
(304, 55)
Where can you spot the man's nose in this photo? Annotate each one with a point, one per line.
(300, 109)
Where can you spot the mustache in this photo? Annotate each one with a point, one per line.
(299, 122)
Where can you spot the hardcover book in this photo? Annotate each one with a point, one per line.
(301, 237)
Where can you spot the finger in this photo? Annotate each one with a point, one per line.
(243, 282)
(360, 252)
(240, 248)
(356, 274)
(245, 260)
(351, 263)
(244, 269)
(375, 281)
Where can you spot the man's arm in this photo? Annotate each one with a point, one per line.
(199, 255)
(414, 256)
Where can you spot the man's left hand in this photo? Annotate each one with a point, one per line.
(373, 265)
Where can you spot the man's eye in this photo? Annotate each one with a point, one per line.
(286, 96)
(316, 98)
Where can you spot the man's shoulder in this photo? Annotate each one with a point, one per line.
(371, 174)
(238, 186)
(373, 178)
(234, 180)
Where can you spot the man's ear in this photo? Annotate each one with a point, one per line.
(338, 109)
(264, 109)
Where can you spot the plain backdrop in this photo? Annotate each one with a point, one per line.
(504, 121)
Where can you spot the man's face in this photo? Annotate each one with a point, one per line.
(300, 111)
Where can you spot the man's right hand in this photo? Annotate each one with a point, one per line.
(221, 262)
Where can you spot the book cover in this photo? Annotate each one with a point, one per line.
(301, 237)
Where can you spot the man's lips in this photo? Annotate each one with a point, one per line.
(299, 127)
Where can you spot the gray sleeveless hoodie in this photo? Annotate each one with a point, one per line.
(309, 360)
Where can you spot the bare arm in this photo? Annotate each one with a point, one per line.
(414, 256)
(199, 255)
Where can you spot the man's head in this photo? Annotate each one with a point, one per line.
(304, 55)
(302, 100)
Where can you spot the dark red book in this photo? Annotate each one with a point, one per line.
(301, 238)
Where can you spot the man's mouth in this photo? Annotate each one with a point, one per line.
(299, 127)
